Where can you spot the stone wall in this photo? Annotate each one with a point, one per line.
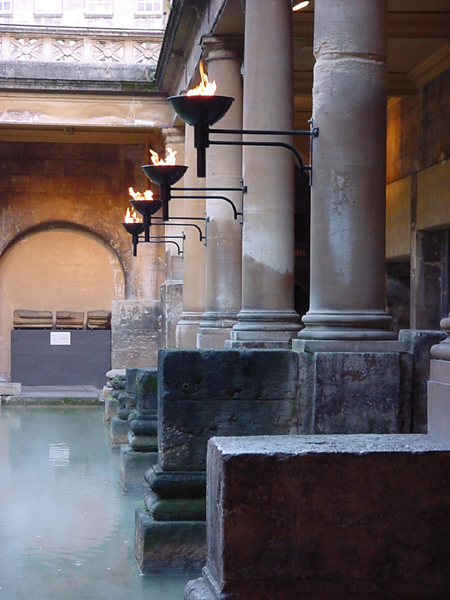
(76, 188)
(419, 129)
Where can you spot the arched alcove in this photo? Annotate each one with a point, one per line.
(56, 269)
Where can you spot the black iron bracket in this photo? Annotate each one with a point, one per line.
(203, 141)
(202, 237)
(168, 239)
(236, 213)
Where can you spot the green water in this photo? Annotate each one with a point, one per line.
(66, 528)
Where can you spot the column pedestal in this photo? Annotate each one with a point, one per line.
(141, 452)
(353, 387)
(439, 388)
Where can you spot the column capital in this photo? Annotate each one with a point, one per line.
(224, 47)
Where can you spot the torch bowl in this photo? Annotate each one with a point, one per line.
(164, 174)
(197, 110)
(134, 228)
(146, 207)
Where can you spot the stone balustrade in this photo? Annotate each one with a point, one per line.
(80, 45)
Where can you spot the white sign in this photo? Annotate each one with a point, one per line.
(60, 338)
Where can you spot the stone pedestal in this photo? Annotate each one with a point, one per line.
(224, 170)
(135, 333)
(439, 388)
(354, 386)
(141, 452)
(267, 314)
(119, 427)
(111, 405)
(320, 517)
(171, 307)
(132, 467)
(419, 343)
(170, 547)
(203, 393)
(118, 434)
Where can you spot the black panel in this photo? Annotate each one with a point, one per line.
(84, 362)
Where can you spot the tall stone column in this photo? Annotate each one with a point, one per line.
(174, 139)
(267, 317)
(348, 195)
(194, 290)
(171, 292)
(224, 169)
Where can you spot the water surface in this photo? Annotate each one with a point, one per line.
(66, 528)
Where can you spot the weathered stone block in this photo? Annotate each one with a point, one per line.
(319, 517)
(132, 467)
(111, 405)
(439, 400)
(353, 392)
(169, 547)
(202, 393)
(419, 343)
(135, 333)
(130, 380)
(118, 432)
(147, 389)
(172, 307)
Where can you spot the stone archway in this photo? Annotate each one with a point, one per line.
(63, 268)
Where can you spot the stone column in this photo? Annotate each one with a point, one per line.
(194, 291)
(171, 293)
(224, 169)
(267, 317)
(174, 138)
(349, 179)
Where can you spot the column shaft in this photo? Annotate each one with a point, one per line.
(267, 313)
(194, 255)
(224, 170)
(174, 139)
(349, 181)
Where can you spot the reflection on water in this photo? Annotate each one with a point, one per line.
(66, 529)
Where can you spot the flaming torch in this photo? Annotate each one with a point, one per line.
(164, 172)
(146, 206)
(133, 224)
(201, 108)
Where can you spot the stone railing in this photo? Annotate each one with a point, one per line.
(80, 45)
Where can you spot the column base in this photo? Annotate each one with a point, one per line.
(111, 405)
(132, 468)
(187, 328)
(363, 325)
(215, 329)
(169, 547)
(264, 329)
(118, 432)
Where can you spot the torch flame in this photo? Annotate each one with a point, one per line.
(132, 216)
(147, 195)
(169, 160)
(205, 88)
